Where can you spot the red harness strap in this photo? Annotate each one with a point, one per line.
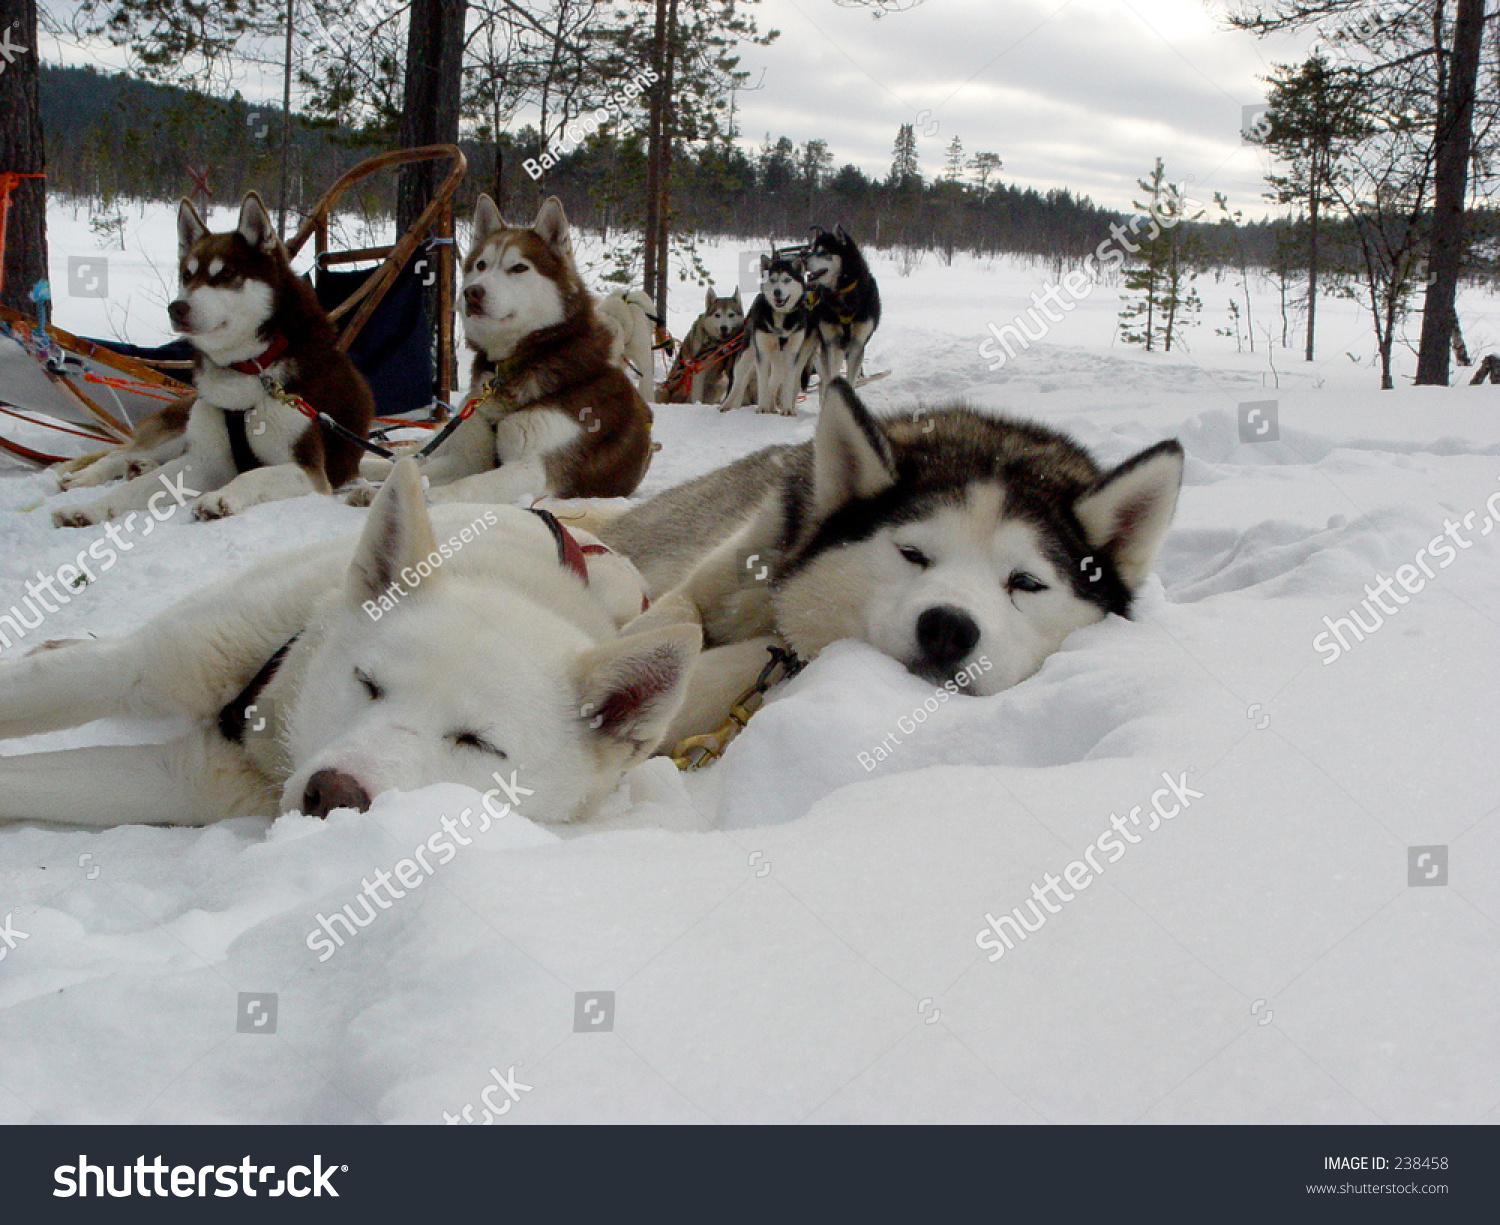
(570, 554)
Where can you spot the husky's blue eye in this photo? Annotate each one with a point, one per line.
(375, 691)
(914, 555)
(1021, 581)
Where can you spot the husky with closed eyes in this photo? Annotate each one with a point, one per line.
(472, 644)
(959, 543)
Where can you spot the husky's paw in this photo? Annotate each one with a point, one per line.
(78, 479)
(726, 408)
(359, 495)
(78, 516)
(215, 506)
(107, 468)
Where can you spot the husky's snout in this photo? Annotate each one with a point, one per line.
(330, 789)
(945, 636)
(474, 299)
(180, 311)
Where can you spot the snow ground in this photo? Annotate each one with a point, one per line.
(791, 937)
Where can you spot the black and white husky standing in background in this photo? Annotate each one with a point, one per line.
(843, 303)
(944, 537)
(776, 334)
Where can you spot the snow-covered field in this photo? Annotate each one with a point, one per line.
(789, 936)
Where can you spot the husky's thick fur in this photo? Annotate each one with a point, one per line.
(248, 316)
(563, 420)
(721, 319)
(776, 334)
(452, 648)
(944, 537)
(629, 316)
(843, 303)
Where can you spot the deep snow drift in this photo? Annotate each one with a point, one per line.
(792, 936)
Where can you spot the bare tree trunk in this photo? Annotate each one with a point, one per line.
(664, 178)
(21, 152)
(286, 120)
(429, 107)
(653, 147)
(1450, 189)
(1312, 260)
(1460, 349)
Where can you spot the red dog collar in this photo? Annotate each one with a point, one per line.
(267, 358)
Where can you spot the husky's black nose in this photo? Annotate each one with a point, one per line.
(178, 311)
(474, 298)
(330, 789)
(946, 635)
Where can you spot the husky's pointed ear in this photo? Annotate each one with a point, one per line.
(629, 690)
(739, 301)
(852, 456)
(765, 264)
(190, 227)
(1128, 510)
(397, 536)
(487, 219)
(708, 300)
(842, 233)
(255, 223)
(552, 224)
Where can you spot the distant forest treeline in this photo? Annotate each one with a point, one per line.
(115, 136)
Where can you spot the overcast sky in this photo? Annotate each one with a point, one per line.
(1083, 94)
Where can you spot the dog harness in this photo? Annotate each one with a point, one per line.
(245, 458)
(570, 554)
(243, 454)
(234, 718)
(817, 295)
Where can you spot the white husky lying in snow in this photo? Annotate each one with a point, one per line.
(323, 677)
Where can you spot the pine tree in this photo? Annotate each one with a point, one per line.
(984, 165)
(1314, 113)
(954, 162)
(905, 172)
(1163, 268)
